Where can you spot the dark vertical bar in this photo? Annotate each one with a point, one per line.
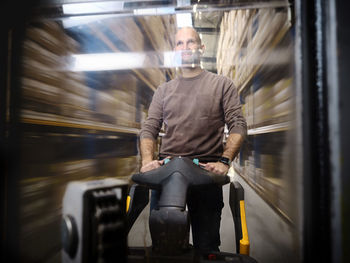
(11, 176)
(17, 14)
(3, 142)
(343, 56)
(316, 176)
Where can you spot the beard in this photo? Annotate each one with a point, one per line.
(188, 58)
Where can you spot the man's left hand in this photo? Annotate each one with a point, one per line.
(217, 167)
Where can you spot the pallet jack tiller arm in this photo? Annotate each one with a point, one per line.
(139, 194)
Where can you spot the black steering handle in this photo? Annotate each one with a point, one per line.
(192, 173)
(175, 177)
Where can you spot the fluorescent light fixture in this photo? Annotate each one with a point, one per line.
(170, 60)
(81, 20)
(93, 7)
(155, 11)
(107, 61)
(184, 20)
(123, 61)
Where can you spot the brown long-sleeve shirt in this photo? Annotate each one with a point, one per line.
(194, 112)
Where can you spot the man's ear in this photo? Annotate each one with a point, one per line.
(202, 49)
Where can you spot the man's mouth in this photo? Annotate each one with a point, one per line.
(186, 53)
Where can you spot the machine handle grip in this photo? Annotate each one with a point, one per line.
(194, 174)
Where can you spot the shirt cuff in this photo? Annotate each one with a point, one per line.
(240, 130)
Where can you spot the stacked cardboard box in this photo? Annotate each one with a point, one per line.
(247, 38)
(247, 52)
(47, 85)
(135, 34)
(160, 31)
(52, 92)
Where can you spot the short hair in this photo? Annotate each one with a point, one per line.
(199, 40)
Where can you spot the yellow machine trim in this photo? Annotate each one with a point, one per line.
(128, 203)
(244, 242)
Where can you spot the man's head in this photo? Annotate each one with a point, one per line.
(189, 45)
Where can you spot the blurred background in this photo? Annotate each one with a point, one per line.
(79, 78)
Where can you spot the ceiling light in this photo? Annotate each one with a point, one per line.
(92, 8)
(107, 61)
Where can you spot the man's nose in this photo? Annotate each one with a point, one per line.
(186, 46)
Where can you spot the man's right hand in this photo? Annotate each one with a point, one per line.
(151, 165)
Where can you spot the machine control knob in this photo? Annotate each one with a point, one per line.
(69, 235)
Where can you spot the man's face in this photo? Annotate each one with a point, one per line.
(188, 46)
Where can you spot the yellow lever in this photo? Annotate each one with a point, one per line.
(244, 242)
(128, 203)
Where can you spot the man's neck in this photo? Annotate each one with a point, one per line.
(191, 72)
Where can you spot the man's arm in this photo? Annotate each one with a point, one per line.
(147, 148)
(149, 132)
(233, 144)
(236, 125)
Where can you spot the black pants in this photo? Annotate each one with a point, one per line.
(204, 207)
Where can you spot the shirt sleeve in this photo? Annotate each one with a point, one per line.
(234, 119)
(153, 123)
